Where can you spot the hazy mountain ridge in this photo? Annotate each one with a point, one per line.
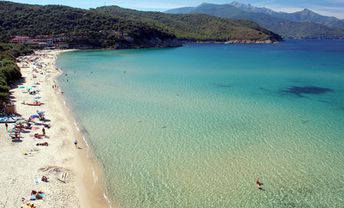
(304, 24)
(197, 27)
(305, 15)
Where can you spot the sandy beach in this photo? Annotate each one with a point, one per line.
(74, 178)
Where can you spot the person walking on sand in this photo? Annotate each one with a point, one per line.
(6, 125)
(43, 131)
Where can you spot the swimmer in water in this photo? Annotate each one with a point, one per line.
(259, 184)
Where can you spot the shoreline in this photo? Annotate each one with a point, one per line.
(93, 179)
(94, 170)
(24, 163)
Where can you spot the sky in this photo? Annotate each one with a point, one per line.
(324, 7)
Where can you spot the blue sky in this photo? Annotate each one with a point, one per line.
(325, 7)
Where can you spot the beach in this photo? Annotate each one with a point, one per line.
(74, 178)
(184, 134)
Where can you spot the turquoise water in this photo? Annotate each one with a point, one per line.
(194, 126)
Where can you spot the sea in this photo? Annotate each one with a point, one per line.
(195, 126)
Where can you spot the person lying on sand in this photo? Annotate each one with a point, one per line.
(42, 144)
(28, 126)
(38, 136)
(27, 204)
(45, 179)
(37, 195)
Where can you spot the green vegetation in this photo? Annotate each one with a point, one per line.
(9, 71)
(114, 27)
(198, 27)
(77, 27)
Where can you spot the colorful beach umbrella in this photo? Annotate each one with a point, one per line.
(34, 116)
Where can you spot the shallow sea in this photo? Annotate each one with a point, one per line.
(194, 126)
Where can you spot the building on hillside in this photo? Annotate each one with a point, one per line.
(43, 41)
(20, 39)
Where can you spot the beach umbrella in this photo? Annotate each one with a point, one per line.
(21, 87)
(34, 116)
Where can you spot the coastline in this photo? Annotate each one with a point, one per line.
(24, 163)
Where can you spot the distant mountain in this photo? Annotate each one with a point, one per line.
(250, 8)
(198, 27)
(182, 10)
(305, 15)
(301, 25)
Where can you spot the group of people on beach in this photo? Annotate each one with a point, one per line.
(28, 125)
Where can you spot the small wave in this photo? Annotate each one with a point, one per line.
(94, 175)
(107, 199)
(85, 141)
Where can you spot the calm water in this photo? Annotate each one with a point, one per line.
(194, 126)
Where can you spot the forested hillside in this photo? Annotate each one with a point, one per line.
(195, 26)
(78, 27)
(114, 27)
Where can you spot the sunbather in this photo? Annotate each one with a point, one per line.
(45, 179)
(38, 136)
(37, 195)
(42, 144)
(27, 204)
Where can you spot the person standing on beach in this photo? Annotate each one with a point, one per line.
(76, 143)
(6, 125)
(43, 131)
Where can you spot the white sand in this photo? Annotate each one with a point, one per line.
(83, 188)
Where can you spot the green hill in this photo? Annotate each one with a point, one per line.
(195, 26)
(78, 27)
(114, 27)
